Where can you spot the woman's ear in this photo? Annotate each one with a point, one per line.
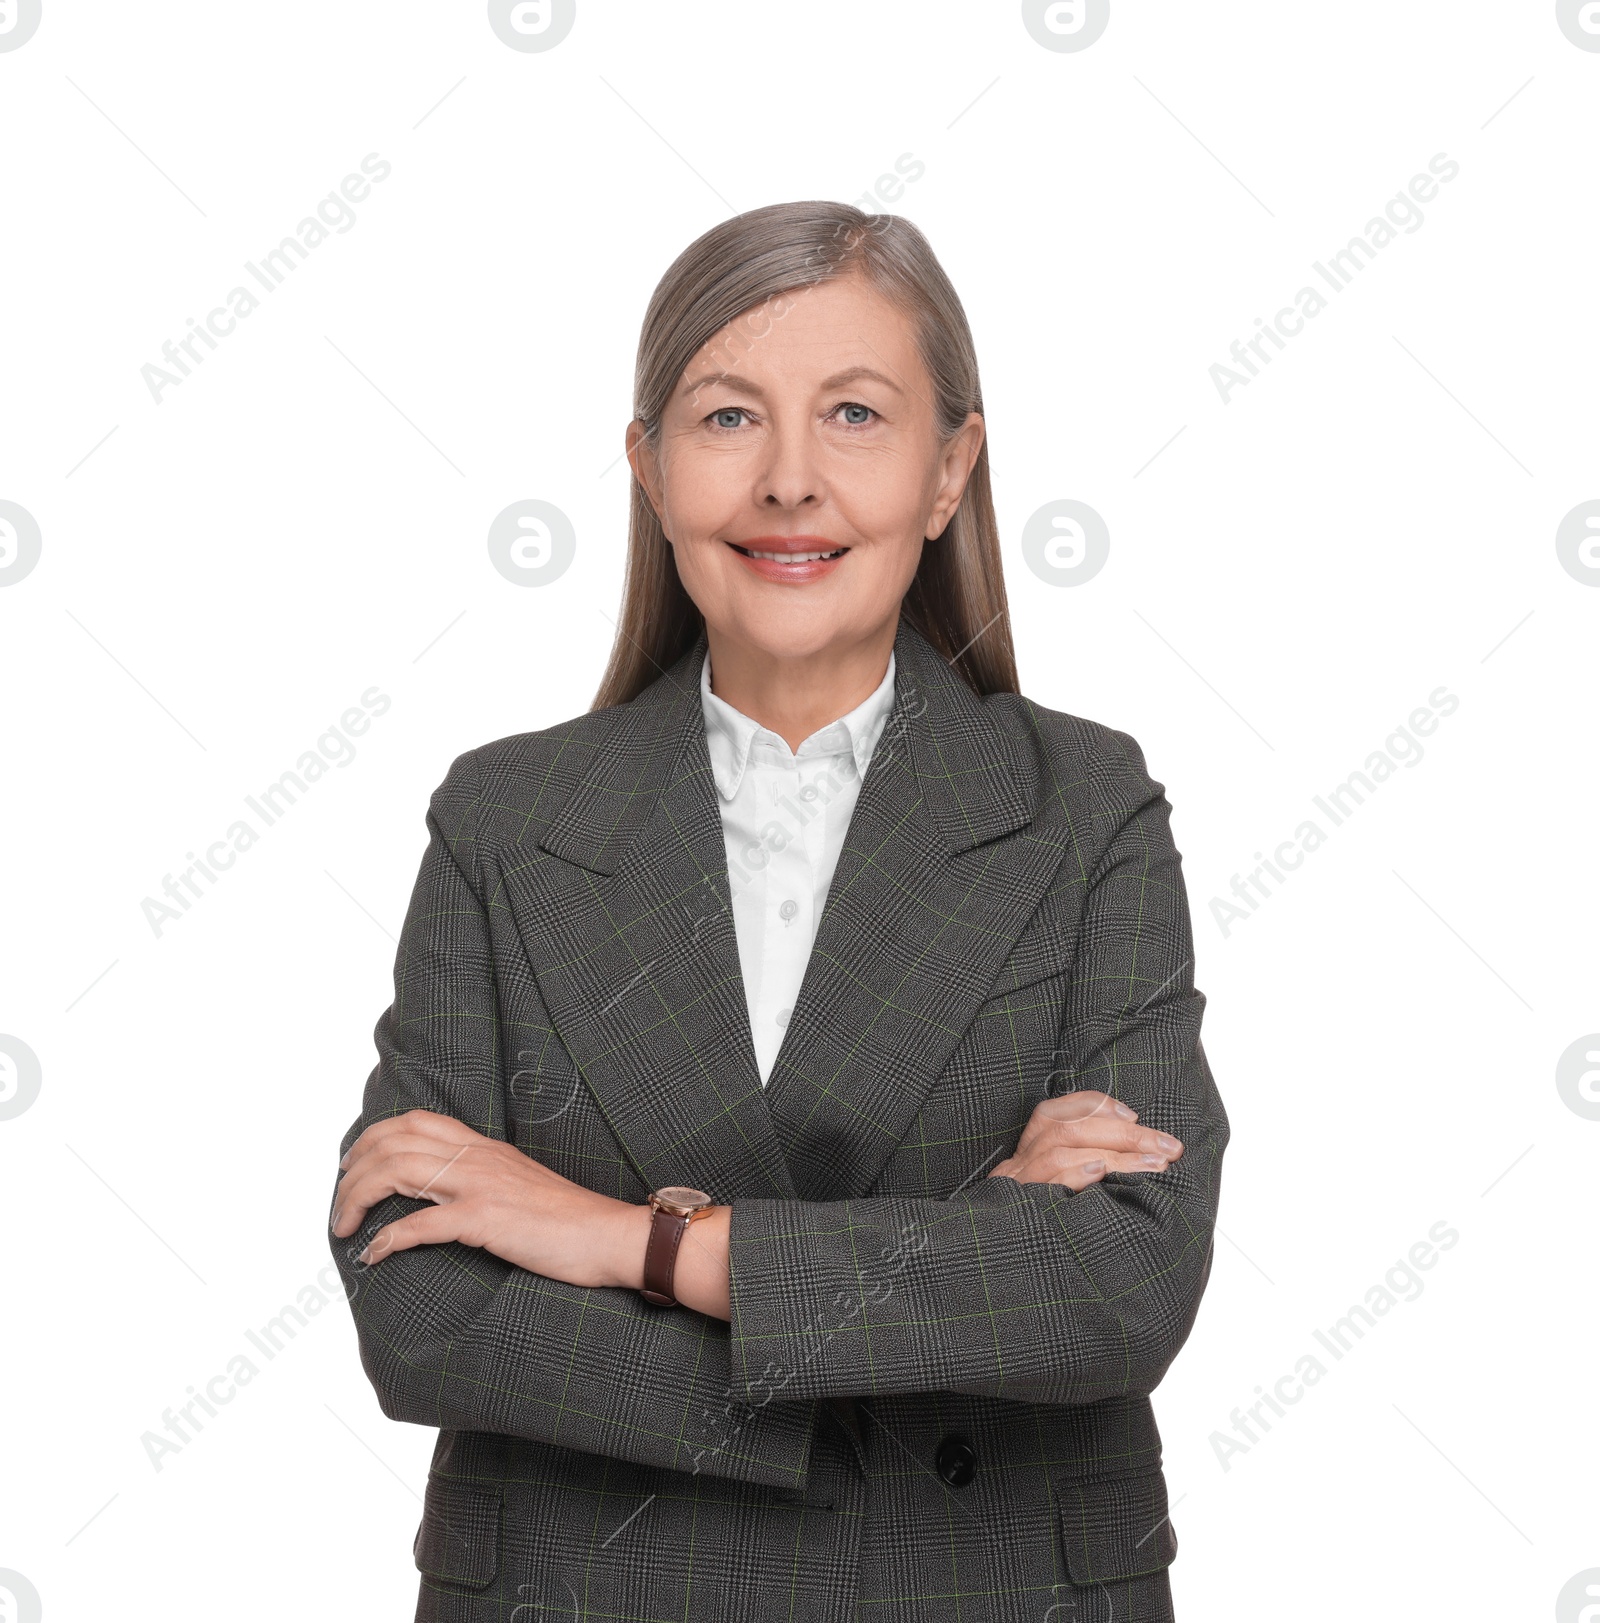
(642, 459)
(956, 462)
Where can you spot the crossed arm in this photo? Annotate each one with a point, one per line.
(486, 1193)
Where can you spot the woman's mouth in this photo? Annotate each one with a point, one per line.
(789, 557)
(792, 566)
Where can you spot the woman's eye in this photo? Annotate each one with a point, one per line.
(852, 413)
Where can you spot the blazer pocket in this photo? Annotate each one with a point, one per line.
(1115, 1527)
(459, 1539)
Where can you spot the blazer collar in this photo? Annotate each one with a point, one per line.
(660, 737)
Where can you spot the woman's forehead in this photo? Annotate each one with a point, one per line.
(821, 334)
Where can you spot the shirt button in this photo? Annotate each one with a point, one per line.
(783, 1016)
(788, 911)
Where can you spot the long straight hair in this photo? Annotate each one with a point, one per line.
(744, 274)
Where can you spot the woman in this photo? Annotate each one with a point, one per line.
(791, 1161)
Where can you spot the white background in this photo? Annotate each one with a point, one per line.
(305, 517)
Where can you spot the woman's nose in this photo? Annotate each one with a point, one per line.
(789, 476)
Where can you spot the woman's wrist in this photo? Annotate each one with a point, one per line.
(700, 1275)
(700, 1271)
(631, 1236)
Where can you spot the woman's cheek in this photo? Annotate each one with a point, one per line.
(704, 573)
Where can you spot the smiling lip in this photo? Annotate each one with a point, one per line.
(794, 559)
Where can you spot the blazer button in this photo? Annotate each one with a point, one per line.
(956, 1462)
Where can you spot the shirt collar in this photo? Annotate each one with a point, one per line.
(731, 735)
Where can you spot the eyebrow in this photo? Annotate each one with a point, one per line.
(732, 380)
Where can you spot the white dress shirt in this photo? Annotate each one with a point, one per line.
(784, 817)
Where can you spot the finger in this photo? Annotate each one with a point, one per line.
(1072, 1170)
(433, 1225)
(414, 1143)
(1150, 1141)
(1083, 1174)
(1162, 1144)
(419, 1175)
(427, 1122)
(408, 1123)
(1115, 1161)
(370, 1176)
(1097, 1132)
(1109, 1133)
(1085, 1102)
(1136, 1162)
(372, 1160)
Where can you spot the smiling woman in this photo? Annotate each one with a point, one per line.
(825, 363)
(892, 482)
(881, 1188)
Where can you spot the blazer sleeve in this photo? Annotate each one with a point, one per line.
(1011, 1290)
(452, 1336)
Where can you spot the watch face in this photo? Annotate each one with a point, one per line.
(681, 1201)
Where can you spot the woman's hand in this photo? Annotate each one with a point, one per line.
(1076, 1139)
(487, 1193)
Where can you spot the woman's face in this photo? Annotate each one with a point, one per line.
(806, 426)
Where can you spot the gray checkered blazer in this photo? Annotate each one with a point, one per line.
(933, 1398)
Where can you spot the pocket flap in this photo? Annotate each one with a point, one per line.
(459, 1539)
(1116, 1527)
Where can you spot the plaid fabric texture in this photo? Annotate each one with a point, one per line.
(933, 1399)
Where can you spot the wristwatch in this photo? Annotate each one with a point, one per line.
(675, 1209)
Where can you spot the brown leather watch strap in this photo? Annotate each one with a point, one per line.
(661, 1257)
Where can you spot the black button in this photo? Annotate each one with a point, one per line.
(956, 1462)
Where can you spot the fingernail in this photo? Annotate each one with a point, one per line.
(1125, 1112)
(1094, 1168)
(1154, 1160)
(364, 1255)
(335, 1223)
(1168, 1142)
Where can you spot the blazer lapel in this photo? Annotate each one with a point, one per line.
(939, 873)
(632, 942)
